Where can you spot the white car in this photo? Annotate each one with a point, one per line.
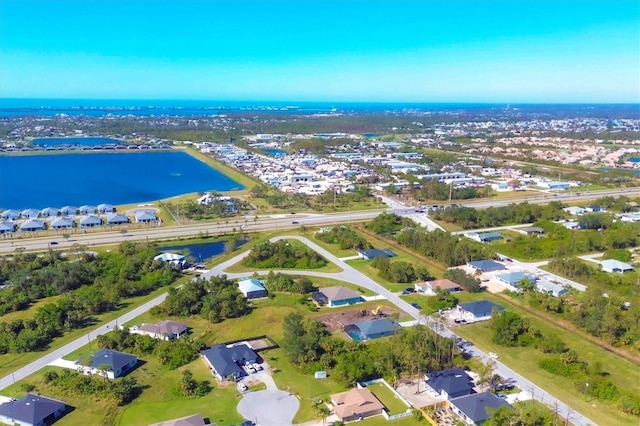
(257, 366)
(493, 355)
(250, 369)
(242, 387)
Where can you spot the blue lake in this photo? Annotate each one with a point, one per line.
(75, 141)
(635, 159)
(39, 181)
(199, 252)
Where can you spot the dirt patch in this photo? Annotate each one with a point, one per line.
(339, 320)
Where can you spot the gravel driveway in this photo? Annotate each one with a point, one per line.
(269, 407)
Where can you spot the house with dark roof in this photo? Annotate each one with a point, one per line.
(373, 329)
(370, 254)
(7, 227)
(336, 296)
(225, 362)
(252, 288)
(109, 363)
(117, 219)
(90, 221)
(164, 330)
(69, 211)
(49, 212)
(450, 383)
(430, 287)
(474, 409)
(145, 217)
(486, 266)
(356, 404)
(32, 410)
(31, 225)
(87, 209)
(478, 310)
(61, 223)
(194, 420)
(10, 215)
(105, 208)
(30, 213)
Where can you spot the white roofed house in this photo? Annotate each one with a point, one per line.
(61, 223)
(90, 221)
(252, 288)
(10, 215)
(49, 212)
(117, 219)
(7, 227)
(69, 211)
(30, 213)
(549, 287)
(105, 208)
(164, 330)
(145, 217)
(87, 209)
(612, 265)
(31, 225)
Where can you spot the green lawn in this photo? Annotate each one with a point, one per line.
(30, 311)
(388, 398)
(623, 373)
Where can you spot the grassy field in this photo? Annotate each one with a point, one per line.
(525, 360)
(388, 398)
(30, 311)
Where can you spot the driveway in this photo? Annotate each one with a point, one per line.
(269, 407)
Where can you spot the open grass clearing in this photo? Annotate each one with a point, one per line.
(388, 398)
(525, 360)
(30, 311)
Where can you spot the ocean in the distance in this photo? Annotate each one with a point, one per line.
(39, 181)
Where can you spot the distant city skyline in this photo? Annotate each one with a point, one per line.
(564, 51)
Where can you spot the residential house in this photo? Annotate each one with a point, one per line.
(356, 404)
(145, 217)
(117, 219)
(90, 221)
(30, 213)
(226, 362)
(546, 286)
(61, 223)
(7, 227)
(478, 310)
(371, 254)
(49, 212)
(109, 363)
(174, 259)
(336, 296)
(574, 210)
(10, 215)
(32, 410)
(532, 230)
(252, 289)
(486, 237)
(194, 420)
(69, 211)
(513, 279)
(87, 209)
(373, 329)
(595, 209)
(105, 208)
(430, 287)
(164, 330)
(612, 265)
(449, 383)
(571, 224)
(486, 266)
(31, 225)
(630, 217)
(472, 409)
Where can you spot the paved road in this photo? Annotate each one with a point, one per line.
(78, 343)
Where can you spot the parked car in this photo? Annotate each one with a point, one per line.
(257, 366)
(493, 355)
(415, 305)
(242, 387)
(295, 222)
(250, 368)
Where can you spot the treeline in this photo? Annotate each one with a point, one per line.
(464, 280)
(281, 254)
(218, 209)
(509, 329)
(399, 271)
(214, 300)
(389, 223)
(431, 189)
(345, 237)
(470, 218)
(279, 282)
(413, 351)
(172, 354)
(444, 247)
(92, 286)
(608, 309)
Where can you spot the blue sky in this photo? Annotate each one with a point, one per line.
(307, 50)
